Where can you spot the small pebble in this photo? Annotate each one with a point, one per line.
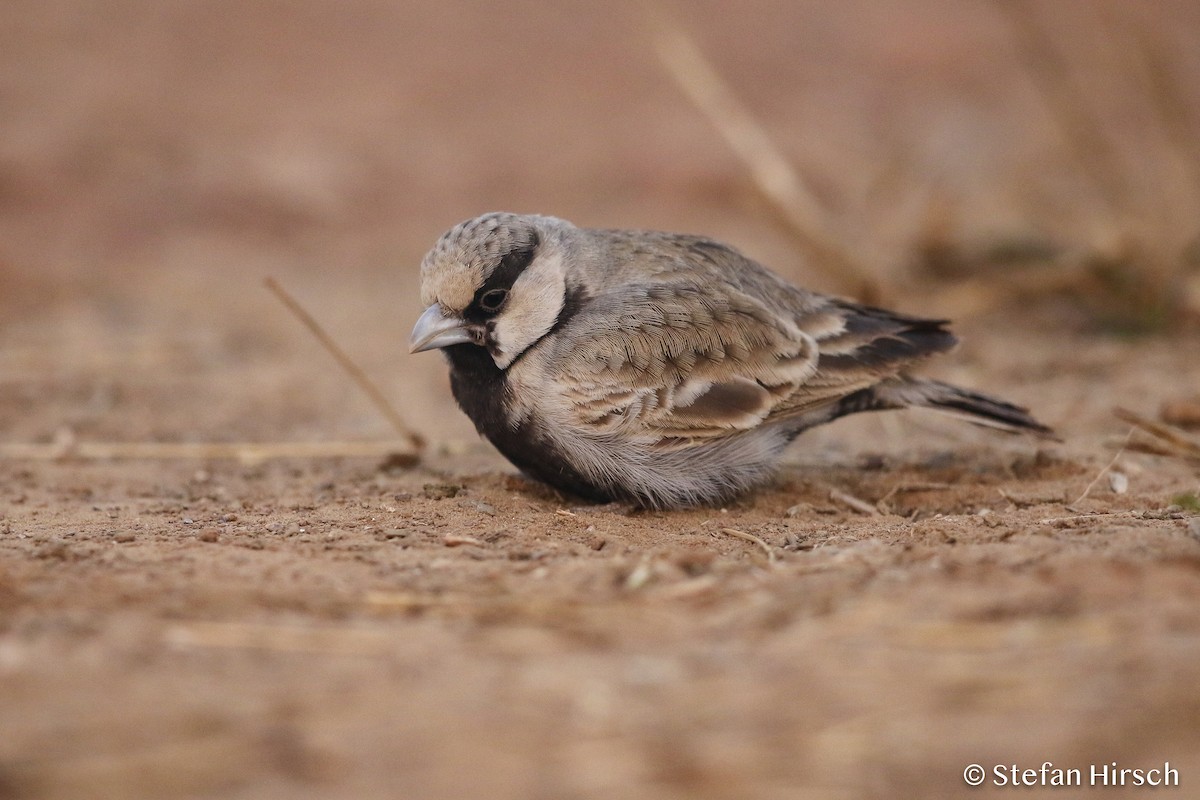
(1118, 482)
(639, 577)
(209, 535)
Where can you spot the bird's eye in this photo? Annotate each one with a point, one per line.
(493, 300)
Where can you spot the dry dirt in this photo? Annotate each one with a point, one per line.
(341, 627)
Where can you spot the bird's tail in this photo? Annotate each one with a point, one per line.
(980, 409)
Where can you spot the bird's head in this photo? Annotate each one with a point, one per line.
(497, 281)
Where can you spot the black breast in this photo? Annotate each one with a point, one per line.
(483, 393)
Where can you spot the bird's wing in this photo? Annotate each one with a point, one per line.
(860, 346)
(677, 360)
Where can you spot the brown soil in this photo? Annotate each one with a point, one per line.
(338, 627)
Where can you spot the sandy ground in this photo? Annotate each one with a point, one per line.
(343, 627)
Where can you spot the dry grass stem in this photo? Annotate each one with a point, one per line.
(750, 537)
(1112, 463)
(1135, 262)
(770, 171)
(850, 501)
(693, 587)
(1171, 101)
(353, 370)
(457, 540)
(249, 452)
(1169, 437)
(1066, 104)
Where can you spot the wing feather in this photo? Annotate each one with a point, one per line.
(689, 340)
(678, 360)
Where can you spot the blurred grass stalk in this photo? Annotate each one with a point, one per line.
(1130, 275)
(351, 368)
(802, 215)
(1134, 274)
(1164, 439)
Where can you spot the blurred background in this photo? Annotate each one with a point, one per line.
(193, 627)
(1029, 168)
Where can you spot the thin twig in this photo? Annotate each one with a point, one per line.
(770, 171)
(1179, 442)
(750, 537)
(859, 505)
(458, 540)
(1101, 473)
(689, 588)
(353, 370)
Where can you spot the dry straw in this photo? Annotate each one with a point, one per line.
(1097, 272)
(750, 537)
(408, 451)
(770, 171)
(345, 362)
(1166, 439)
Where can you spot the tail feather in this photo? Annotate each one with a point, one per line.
(974, 407)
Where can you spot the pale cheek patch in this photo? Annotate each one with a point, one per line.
(534, 305)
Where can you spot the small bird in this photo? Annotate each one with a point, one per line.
(655, 368)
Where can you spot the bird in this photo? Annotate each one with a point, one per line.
(659, 369)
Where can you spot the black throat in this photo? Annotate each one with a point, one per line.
(483, 392)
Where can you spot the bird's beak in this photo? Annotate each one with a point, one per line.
(434, 329)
